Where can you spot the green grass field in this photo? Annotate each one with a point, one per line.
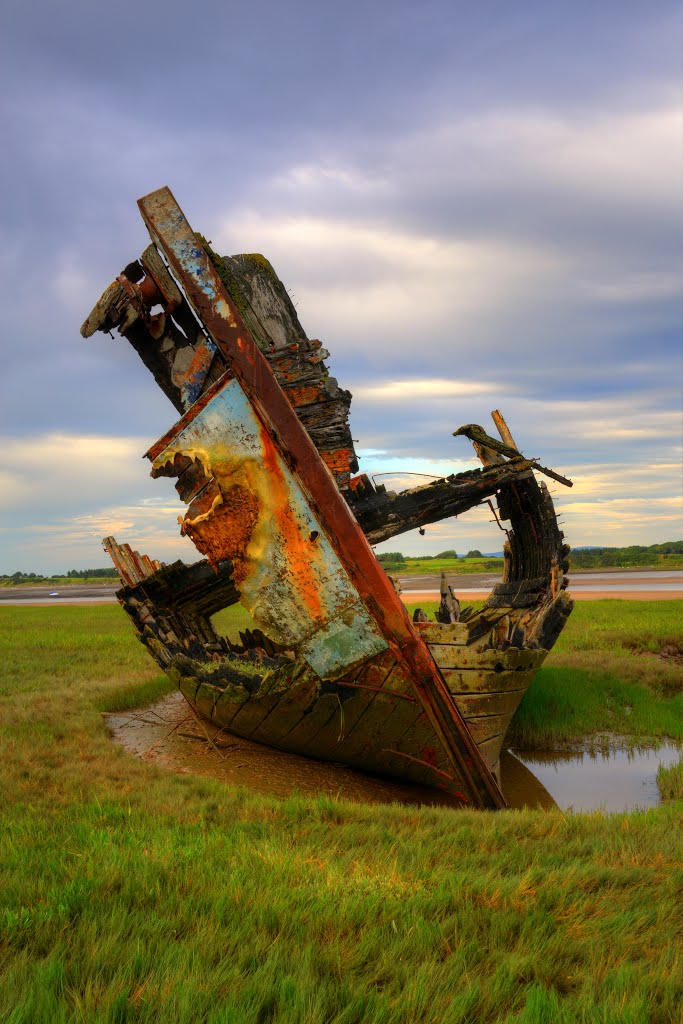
(456, 566)
(467, 566)
(131, 894)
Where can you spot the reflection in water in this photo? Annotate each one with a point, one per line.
(615, 780)
(170, 735)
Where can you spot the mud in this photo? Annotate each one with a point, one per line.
(169, 735)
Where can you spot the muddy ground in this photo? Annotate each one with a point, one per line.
(169, 734)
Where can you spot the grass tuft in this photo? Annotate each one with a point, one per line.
(670, 781)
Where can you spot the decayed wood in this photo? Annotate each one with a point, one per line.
(503, 429)
(479, 436)
(472, 705)
(481, 680)
(298, 363)
(369, 718)
(484, 727)
(384, 515)
(449, 656)
(443, 633)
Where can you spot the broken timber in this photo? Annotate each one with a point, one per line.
(264, 458)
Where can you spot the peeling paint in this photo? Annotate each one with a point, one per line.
(293, 587)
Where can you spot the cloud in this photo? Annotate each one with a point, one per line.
(62, 493)
(354, 280)
(415, 390)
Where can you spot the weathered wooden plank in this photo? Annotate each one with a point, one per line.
(381, 722)
(304, 733)
(449, 656)
(289, 711)
(443, 633)
(487, 726)
(490, 749)
(355, 736)
(206, 698)
(481, 681)
(254, 712)
(369, 680)
(492, 703)
(417, 755)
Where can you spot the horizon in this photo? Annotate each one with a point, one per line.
(409, 557)
(472, 208)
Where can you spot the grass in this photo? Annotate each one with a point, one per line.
(132, 895)
(593, 681)
(465, 566)
(670, 780)
(456, 566)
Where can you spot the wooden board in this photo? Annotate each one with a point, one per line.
(437, 633)
(472, 681)
(482, 729)
(472, 705)
(451, 657)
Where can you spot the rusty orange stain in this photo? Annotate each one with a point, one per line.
(298, 551)
(305, 395)
(338, 461)
(226, 529)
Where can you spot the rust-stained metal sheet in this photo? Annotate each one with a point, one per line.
(290, 578)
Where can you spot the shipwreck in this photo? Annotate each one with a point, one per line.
(263, 457)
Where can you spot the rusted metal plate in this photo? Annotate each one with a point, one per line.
(255, 513)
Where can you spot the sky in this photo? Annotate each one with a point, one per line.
(475, 206)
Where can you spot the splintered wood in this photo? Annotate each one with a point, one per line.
(264, 459)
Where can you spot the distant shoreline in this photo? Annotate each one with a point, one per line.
(588, 585)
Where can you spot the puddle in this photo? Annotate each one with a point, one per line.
(171, 736)
(615, 780)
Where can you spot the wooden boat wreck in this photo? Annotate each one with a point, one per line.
(264, 459)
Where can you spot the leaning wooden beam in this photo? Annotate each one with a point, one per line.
(384, 515)
(479, 436)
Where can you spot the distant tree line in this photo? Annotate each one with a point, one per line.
(72, 574)
(396, 556)
(395, 561)
(622, 558)
(88, 574)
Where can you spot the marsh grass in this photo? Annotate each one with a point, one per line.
(133, 895)
(453, 566)
(670, 780)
